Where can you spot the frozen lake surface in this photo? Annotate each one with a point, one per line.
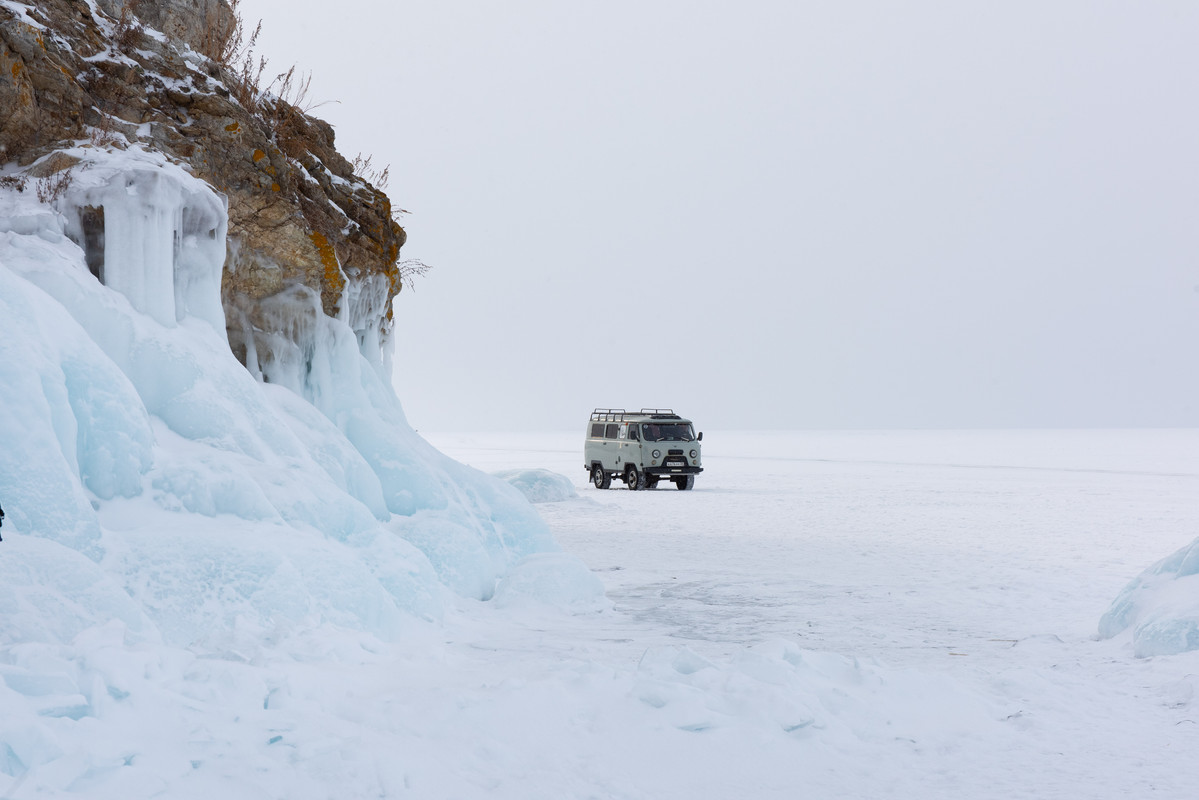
(829, 615)
(961, 575)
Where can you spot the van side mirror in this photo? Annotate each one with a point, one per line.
(700, 438)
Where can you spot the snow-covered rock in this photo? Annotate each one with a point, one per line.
(77, 74)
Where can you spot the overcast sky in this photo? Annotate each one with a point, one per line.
(779, 214)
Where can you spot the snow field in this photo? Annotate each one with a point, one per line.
(975, 564)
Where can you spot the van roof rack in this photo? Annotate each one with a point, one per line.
(619, 414)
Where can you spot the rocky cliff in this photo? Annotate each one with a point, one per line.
(164, 75)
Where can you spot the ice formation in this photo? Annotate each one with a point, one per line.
(539, 485)
(144, 466)
(363, 309)
(151, 232)
(1161, 605)
(187, 540)
(172, 518)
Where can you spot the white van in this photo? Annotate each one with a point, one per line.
(641, 448)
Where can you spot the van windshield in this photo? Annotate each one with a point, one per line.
(667, 432)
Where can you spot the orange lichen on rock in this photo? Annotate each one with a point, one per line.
(335, 279)
(258, 156)
(396, 284)
(233, 127)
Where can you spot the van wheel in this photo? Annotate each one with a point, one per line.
(651, 482)
(634, 478)
(684, 482)
(601, 479)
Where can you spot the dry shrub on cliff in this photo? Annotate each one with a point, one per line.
(284, 111)
(52, 187)
(368, 172)
(128, 31)
(277, 103)
(16, 182)
(247, 78)
(225, 42)
(104, 134)
(411, 268)
(232, 45)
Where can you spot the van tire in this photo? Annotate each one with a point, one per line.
(634, 478)
(651, 482)
(601, 479)
(684, 482)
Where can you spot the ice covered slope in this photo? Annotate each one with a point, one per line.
(148, 476)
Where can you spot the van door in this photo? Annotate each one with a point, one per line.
(630, 445)
(610, 456)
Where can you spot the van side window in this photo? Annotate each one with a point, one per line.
(610, 433)
(597, 430)
(623, 433)
(633, 434)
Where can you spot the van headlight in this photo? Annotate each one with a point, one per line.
(694, 454)
(658, 453)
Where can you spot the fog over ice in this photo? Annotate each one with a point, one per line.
(780, 214)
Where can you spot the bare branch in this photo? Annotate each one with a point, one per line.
(411, 268)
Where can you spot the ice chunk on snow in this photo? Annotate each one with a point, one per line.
(24, 746)
(1168, 632)
(1161, 605)
(557, 580)
(539, 485)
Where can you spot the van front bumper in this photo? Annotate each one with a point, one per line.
(665, 471)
